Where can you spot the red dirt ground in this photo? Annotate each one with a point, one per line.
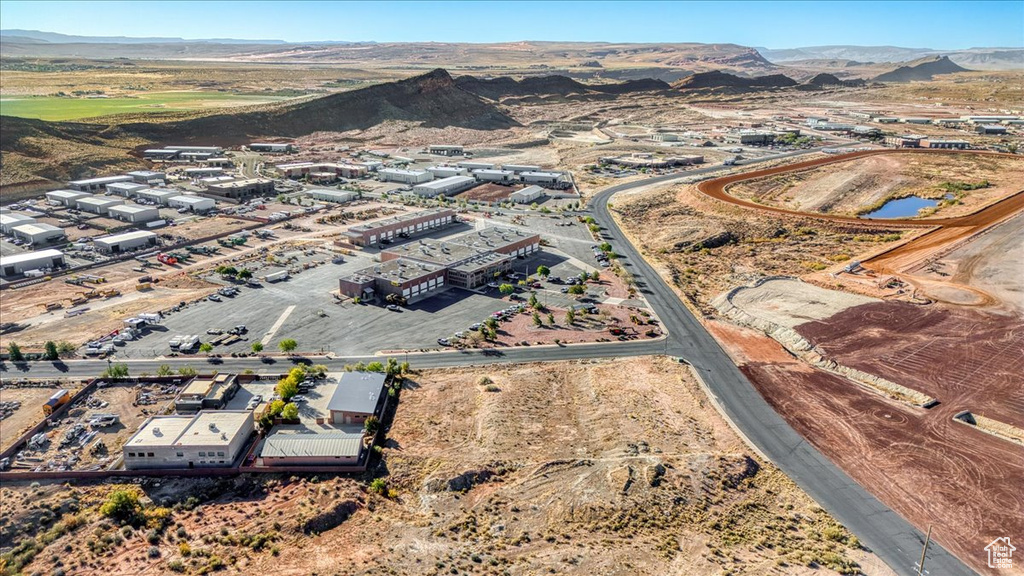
(487, 192)
(967, 359)
(930, 469)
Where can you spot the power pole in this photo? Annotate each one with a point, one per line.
(920, 565)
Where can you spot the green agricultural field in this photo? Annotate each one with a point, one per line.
(73, 108)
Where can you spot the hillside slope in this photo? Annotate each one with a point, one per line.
(503, 86)
(719, 79)
(923, 69)
(35, 149)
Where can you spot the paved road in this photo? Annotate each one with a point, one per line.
(888, 535)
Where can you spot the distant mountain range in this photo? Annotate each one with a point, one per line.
(972, 58)
(17, 35)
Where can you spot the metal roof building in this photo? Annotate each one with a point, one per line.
(65, 197)
(405, 176)
(96, 184)
(444, 186)
(9, 221)
(193, 203)
(125, 189)
(292, 447)
(97, 204)
(526, 195)
(38, 233)
(20, 263)
(356, 397)
(134, 213)
(119, 243)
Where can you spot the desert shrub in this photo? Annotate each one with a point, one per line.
(123, 506)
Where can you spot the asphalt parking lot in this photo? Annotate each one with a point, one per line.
(302, 308)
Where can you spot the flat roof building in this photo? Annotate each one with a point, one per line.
(38, 233)
(402, 277)
(65, 197)
(445, 150)
(475, 165)
(665, 137)
(97, 204)
(949, 144)
(10, 220)
(207, 392)
(447, 171)
(526, 195)
(298, 170)
(97, 184)
(517, 168)
(127, 242)
(904, 141)
(148, 177)
(292, 446)
(405, 224)
(545, 179)
(272, 147)
(987, 129)
(242, 189)
(405, 176)
(356, 397)
(335, 196)
(196, 204)
(126, 189)
(489, 175)
(157, 195)
(134, 213)
(445, 186)
(39, 260)
(210, 439)
(204, 171)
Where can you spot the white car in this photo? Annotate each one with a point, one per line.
(298, 398)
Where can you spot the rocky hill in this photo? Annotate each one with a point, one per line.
(822, 80)
(504, 87)
(923, 69)
(718, 79)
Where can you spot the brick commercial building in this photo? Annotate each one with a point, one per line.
(298, 170)
(401, 277)
(904, 141)
(419, 269)
(405, 225)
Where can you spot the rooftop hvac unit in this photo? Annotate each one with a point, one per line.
(212, 426)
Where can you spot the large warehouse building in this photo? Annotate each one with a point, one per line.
(134, 213)
(405, 176)
(97, 184)
(156, 195)
(21, 263)
(97, 204)
(38, 233)
(488, 175)
(12, 219)
(241, 189)
(444, 186)
(196, 204)
(405, 224)
(126, 189)
(356, 397)
(64, 197)
(447, 171)
(328, 195)
(210, 439)
(527, 195)
(401, 277)
(127, 242)
(445, 150)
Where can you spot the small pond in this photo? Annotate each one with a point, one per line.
(902, 208)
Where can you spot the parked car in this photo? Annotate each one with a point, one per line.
(444, 342)
(298, 398)
(475, 327)
(392, 307)
(214, 331)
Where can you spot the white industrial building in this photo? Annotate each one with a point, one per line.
(200, 172)
(526, 195)
(97, 184)
(405, 176)
(488, 175)
(97, 204)
(445, 150)
(21, 263)
(209, 439)
(148, 177)
(196, 204)
(38, 233)
(272, 147)
(665, 137)
(65, 197)
(127, 242)
(156, 195)
(548, 179)
(134, 213)
(11, 219)
(475, 165)
(444, 186)
(336, 196)
(517, 168)
(126, 189)
(447, 171)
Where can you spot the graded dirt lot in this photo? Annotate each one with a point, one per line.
(854, 187)
(28, 414)
(486, 193)
(611, 467)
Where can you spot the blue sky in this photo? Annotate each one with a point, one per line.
(940, 25)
